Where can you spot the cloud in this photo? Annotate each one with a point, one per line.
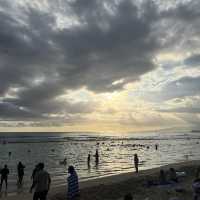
(42, 60)
(49, 49)
(193, 60)
(10, 111)
(182, 110)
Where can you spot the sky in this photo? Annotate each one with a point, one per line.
(99, 65)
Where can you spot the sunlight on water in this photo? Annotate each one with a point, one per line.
(116, 153)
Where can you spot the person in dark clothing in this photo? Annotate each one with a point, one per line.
(136, 162)
(156, 146)
(96, 157)
(128, 196)
(73, 185)
(20, 171)
(88, 160)
(4, 176)
(35, 170)
(162, 178)
(172, 175)
(196, 188)
(41, 183)
(197, 173)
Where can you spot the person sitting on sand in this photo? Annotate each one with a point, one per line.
(73, 185)
(197, 173)
(128, 196)
(196, 188)
(41, 184)
(172, 175)
(4, 176)
(162, 178)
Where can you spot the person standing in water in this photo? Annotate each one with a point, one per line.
(20, 171)
(136, 162)
(88, 160)
(156, 146)
(4, 176)
(96, 157)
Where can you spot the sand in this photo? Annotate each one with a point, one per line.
(115, 187)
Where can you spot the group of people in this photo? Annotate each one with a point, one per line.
(165, 178)
(5, 171)
(96, 156)
(41, 180)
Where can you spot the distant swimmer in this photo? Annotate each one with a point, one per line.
(136, 162)
(52, 150)
(4, 176)
(9, 153)
(4, 142)
(20, 172)
(64, 162)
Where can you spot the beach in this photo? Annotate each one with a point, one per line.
(115, 154)
(116, 186)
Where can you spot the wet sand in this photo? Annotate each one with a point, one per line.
(115, 187)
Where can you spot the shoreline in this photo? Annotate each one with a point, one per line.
(104, 186)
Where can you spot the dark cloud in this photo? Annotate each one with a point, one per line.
(183, 87)
(103, 48)
(106, 42)
(10, 111)
(193, 61)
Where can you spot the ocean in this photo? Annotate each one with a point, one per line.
(115, 151)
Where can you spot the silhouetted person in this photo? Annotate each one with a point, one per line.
(128, 196)
(162, 178)
(96, 157)
(196, 188)
(35, 170)
(136, 162)
(197, 173)
(156, 146)
(172, 175)
(20, 171)
(73, 185)
(88, 160)
(42, 183)
(4, 176)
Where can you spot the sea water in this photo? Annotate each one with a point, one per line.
(115, 151)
